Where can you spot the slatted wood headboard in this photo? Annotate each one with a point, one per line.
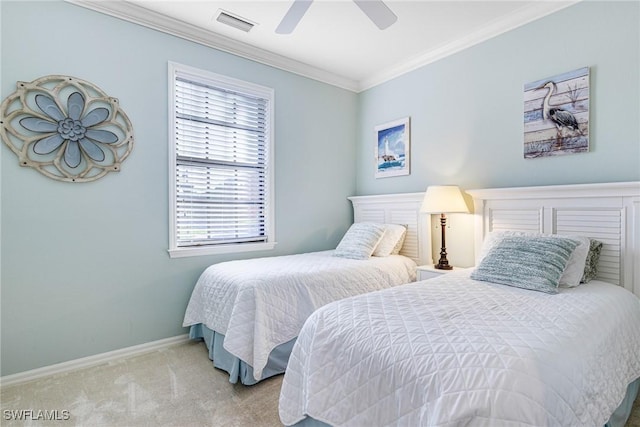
(608, 212)
(399, 209)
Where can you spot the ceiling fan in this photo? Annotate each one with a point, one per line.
(376, 10)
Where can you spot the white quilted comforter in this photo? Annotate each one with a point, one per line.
(261, 303)
(454, 352)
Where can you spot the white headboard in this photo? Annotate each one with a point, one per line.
(608, 212)
(399, 209)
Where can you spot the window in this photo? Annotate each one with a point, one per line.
(220, 160)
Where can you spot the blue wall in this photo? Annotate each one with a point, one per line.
(467, 109)
(85, 268)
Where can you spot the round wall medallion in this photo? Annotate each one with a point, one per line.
(66, 128)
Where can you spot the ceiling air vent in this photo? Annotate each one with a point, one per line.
(234, 21)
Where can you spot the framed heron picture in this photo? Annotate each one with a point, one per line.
(393, 149)
(556, 115)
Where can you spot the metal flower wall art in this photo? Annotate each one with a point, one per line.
(66, 128)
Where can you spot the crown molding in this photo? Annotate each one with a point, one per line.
(510, 22)
(151, 19)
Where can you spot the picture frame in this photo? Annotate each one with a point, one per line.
(393, 148)
(556, 115)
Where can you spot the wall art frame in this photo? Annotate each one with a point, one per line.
(66, 128)
(393, 148)
(556, 115)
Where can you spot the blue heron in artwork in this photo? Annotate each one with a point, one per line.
(561, 118)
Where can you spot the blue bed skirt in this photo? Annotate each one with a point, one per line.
(240, 370)
(620, 416)
(618, 419)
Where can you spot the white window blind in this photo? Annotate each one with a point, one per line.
(221, 144)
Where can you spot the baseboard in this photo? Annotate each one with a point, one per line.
(89, 361)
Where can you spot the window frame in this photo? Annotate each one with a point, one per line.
(229, 83)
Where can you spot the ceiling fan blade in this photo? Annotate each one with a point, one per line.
(293, 16)
(378, 12)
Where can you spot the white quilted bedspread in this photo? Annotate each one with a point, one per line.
(261, 303)
(454, 352)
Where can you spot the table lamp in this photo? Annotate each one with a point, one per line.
(443, 199)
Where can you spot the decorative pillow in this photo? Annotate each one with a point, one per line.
(360, 240)
(392, 240)
(591, 265)
(529, 262)
(575, 267)
(398, 247)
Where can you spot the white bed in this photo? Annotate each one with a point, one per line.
(457, 351)
(249, 312)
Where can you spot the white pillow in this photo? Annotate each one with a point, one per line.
(574, 270)
(360, 240)
(392, 240)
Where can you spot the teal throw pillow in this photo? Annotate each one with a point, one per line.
(534, 263)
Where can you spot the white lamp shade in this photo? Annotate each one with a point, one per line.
(443, 199)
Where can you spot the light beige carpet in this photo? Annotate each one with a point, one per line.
(176, 386)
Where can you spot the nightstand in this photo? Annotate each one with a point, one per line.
(425, 272)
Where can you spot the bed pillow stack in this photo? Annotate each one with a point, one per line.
(537, 261)
(364, 239)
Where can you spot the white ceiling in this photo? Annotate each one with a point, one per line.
(335, 41)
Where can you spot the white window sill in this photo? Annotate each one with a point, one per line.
(221, 249)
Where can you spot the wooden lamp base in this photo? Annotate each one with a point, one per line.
(443, 263)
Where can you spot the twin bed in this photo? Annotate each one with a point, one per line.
(495, 345)
(249, 312)
(454, 352)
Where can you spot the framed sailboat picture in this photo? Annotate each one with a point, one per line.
(393, 148)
